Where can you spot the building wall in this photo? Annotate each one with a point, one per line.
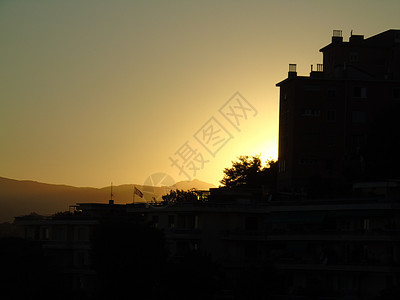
(326, 119)
(67, 245)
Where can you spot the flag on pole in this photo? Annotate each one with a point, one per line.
(138, 192)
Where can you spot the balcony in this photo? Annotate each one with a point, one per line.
(67, 244)
(337, 268)
(182, 233)
(244, 235)
(315, 234)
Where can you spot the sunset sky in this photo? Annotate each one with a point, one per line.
(93, 92)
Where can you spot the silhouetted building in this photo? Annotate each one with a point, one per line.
(67, 241)
(343, 248)
(337, 124)
(336, 248)
(208, 225)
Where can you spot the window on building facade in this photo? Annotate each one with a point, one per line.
(366, 224)
(331, 115)
(188, 221)
(353, 57)
(82, 234)
(251, 223)
(359, 116)
(312, 88)
(311, 137)
(60, 233)
(282, 165)
(308, 112)
(182, 247)
(194, 245)
(396, 93)
(357, 141)
(154, 220)
(171, 221)
(308, 161)
(331, 92)
(359, 92)
(196, 222)
(330, 140)
(45, 233)
(81, 258)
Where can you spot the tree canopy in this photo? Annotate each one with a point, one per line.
(249, 172)
(179, 196)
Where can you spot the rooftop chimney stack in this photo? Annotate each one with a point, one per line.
(337, 36)
(292, 70)
(318, 72)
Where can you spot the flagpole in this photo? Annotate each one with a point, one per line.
(111, 201)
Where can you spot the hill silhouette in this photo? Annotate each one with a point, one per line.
(20, 197)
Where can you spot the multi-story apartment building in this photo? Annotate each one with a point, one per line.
(66, 239)
(213, 226)
(336, 125)
(337, 248)
(346, 248)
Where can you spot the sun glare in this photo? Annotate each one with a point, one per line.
(269, 151)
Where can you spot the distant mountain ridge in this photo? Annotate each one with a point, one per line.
(20, 197)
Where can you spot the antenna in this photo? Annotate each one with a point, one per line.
(111, 197)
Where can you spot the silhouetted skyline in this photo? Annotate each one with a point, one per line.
(98, 91)
(25, 197)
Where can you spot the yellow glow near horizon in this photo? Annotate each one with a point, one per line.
(94, 91)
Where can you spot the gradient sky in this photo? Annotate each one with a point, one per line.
(93, 92)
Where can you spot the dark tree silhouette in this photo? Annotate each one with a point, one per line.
(242, 171)
(180, 196)
(249, 172)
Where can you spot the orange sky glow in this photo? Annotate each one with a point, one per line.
(94, 92)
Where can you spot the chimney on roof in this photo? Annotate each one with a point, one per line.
(318, 72)
(292, 70)
(337, 36)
